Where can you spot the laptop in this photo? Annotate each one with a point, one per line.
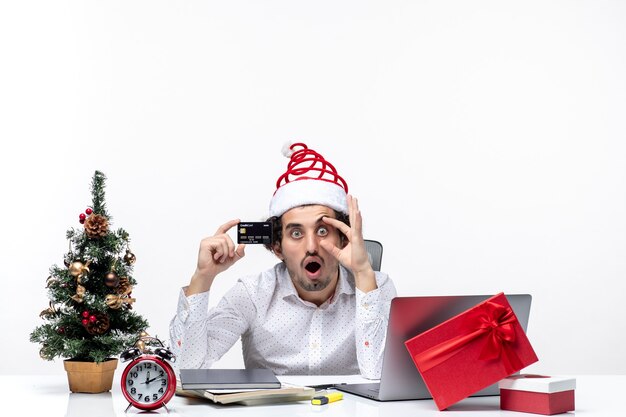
(409, 316)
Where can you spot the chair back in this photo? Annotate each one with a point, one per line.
(375, 253)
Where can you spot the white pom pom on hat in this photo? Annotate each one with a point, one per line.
(309, 179)
(286, 149)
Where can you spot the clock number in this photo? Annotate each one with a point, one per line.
(155, 397)
(161, 389)
(131, 382)
(163, 382)
(134, 375)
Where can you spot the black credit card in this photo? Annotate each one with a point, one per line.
(254, 232)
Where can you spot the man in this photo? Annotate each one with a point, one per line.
(321, 310)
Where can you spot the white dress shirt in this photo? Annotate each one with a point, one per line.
(282, 332)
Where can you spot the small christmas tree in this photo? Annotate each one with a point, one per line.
(90, 315)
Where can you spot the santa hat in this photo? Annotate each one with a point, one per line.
(309, 179)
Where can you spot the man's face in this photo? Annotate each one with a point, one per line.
(311, 268)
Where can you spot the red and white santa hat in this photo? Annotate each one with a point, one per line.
(309, 179)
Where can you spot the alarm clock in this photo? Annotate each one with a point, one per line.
(148, 381)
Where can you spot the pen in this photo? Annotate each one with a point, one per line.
(327, 398)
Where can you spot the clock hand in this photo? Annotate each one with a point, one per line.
(148, 377)
(150, 380)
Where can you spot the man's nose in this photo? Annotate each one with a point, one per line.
(312, 243)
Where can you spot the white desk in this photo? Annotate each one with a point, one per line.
(49, 396)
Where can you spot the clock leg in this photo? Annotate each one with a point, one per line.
(129, 405)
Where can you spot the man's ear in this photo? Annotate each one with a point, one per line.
(277, 250)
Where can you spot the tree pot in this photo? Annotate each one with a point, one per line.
(90, 377)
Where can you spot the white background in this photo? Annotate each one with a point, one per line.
(484, 140)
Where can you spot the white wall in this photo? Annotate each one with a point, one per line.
(485, 141)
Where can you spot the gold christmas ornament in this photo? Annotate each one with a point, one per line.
(80, 294)
(129, 257)
(96, 226)
(141, 345)
(77, 268)
(116, 301)
(143, 334)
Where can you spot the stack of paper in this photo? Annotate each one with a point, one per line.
(242, 386)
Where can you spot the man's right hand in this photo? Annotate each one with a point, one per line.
(217, 253)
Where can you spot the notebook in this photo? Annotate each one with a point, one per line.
(207, 379)
(287, 393)
(409, 316)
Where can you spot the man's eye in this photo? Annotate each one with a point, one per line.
(296, 234)
(322, 231)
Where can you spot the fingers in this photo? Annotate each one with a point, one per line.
(224, 248)
(220, 247)
(344, 228)
(356, 221)
(240, 252)
(226, 226)
(332, 249)
(216, 248)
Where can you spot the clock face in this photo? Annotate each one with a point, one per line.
(148, 382)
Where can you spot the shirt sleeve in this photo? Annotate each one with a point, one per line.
(200, 337)
(372, 315)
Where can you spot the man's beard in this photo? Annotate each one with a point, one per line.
(318, 285)
(303, 283)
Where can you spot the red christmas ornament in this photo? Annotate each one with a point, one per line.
(82, 216)
(85, 314)
(92, 318)
(85, 322)
(61, 330)
(89, 211)
(82, 221)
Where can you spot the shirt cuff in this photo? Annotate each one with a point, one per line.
(194, 307)
(368, 304)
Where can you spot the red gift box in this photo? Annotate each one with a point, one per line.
(537, 394)
(471, 351)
